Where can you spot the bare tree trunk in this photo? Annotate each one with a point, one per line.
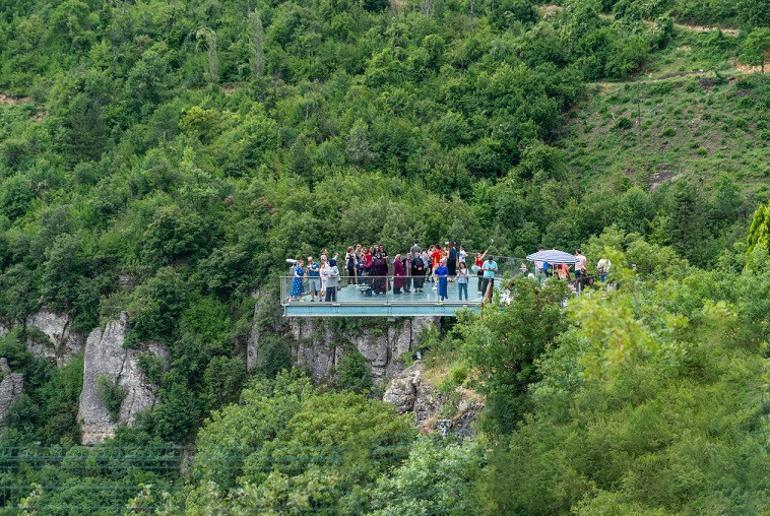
(210, 36)
(257, 41)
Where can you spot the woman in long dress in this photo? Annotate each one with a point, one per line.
(324, 276)
(442, 273)
(398, 274)
(380, 272)
(297, 288)
(418, 272)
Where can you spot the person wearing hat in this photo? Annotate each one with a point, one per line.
(332, 280)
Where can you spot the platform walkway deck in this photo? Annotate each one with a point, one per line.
(362, 299)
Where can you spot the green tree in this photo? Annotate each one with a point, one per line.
(504, 344)
(755, 13)
(755, 49)
(286, 448)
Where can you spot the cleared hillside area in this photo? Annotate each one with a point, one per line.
(692, 111)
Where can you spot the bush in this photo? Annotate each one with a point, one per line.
(156, 306)
(273, 356)
(353, 373)
(111, 394)
(668, 132)
(624, 123)
(17, 194)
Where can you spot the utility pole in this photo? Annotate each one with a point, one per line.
(639, 113)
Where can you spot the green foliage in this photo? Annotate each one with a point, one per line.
(273, 356)
(756, 47)
(649, 392)
(111, 394)
(504, 344)
(17, 194)
(437, 478)
(178, 414)
(156, 306)
(192, 147)
(759, 232)
(222, 381)
(353, 373)
(287, 448)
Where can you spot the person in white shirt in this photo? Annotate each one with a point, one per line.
(332, 280)
(581, 265)
(603, 268)
(324, 273)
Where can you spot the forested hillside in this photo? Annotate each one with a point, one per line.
(162, 159)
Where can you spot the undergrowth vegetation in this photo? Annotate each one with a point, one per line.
(164, 159)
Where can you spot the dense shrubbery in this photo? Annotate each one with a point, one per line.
(649, 387)
(188, 148)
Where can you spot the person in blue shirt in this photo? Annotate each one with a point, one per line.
(313, 279)
(490, 270)
(442, 273)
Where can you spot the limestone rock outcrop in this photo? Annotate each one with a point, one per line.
(11, 387)
(106, 357)
(62, 343)
(319, 346)
(410, 393)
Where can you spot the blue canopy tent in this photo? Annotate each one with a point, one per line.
(553, 256)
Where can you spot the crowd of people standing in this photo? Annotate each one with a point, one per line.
(373, 272)
(371, 269)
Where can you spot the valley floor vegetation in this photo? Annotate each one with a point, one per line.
(164, 158)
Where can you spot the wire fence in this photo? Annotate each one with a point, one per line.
(115, 468)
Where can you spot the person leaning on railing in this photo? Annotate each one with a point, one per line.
(490, 270)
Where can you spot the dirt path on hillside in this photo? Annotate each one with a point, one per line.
(727, 31)
(10, 100)
(736, 70)
(549, 9)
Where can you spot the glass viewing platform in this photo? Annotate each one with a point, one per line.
(380, 296)
(392, 296)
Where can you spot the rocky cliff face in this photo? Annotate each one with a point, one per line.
(62, 344)
(319, 346)
(55, 339)
(11, 387)
(105, 357)
(432, 411)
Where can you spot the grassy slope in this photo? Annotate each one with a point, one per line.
(702, 114)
